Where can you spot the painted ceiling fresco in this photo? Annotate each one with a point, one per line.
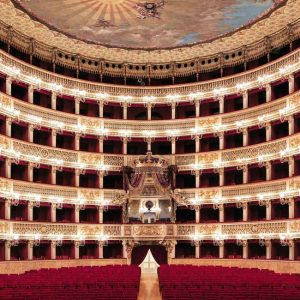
(151, 24)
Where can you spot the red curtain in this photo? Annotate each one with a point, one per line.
(160, 254)
(139, 253)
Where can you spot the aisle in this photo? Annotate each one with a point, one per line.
(149, 287)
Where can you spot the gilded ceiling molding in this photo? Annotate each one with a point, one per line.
(42, 36)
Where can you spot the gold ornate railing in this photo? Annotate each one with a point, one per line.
(251, 79)
(248, 230)
(238, 157)
(260, 191)
(239, 120)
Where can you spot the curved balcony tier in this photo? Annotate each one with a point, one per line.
(31, 75)
(260, 115)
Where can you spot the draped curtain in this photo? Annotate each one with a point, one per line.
(139, 253)
(134, 181)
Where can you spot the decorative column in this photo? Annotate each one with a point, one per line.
(291, 125)
(221, 213)
(53, 175)
(7, 250)
(170, 247)
(243, 243)
(268, 210)
(100, 249)
(221, 176)
(77, 213)
(197, 178)
(197, 213)
(53, 212)
(291, 203)
(268, 244)
(245, 137)
(197, 108)
(30, 93)
(149, 108)
(30, 133)
(149, 140)
(291, 83)
(30, 245)
(7, 204)
(173, 109)
(30, 210)
(245, 211)
(77, 141)
(268, 93)
(8, 127)
(268, 171)
(125, 142)
(173, 148)
(53, 100)
(30, 171)
(8, 83)
(76, 246)
(101, 108)
(291, 244)
(221, 140)
(291, 162)
(101, 175)
(125, 109)
(197, 143)
(245, 174)
(53, 137)
(245, 99)
(77, 177)
(77, 106)
(100, 215)
(221, 104)
(127, 249)
(197, 249)
(100, 140)
(8, 168)
(268, 132)
(221, 249)
(53, 249)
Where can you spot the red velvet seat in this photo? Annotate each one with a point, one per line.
(193, 282)
(107, 282)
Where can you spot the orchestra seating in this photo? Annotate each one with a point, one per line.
(107, 282)
(206, 282)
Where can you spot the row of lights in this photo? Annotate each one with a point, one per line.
(261, 197)
(219, 238)
(36, 238)
(59, 201)
(217, 92)
(197, 200)
(196, 131)
(261, 159)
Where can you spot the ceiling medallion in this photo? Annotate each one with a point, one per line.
(149, 9)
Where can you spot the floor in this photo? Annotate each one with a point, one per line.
(149, 287)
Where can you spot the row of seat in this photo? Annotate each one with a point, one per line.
(106, 282)
(213, 282)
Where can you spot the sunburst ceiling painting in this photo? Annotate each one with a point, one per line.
(147, 24)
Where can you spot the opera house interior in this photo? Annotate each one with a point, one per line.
(149, 149)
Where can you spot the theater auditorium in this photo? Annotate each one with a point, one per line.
(149, 149)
